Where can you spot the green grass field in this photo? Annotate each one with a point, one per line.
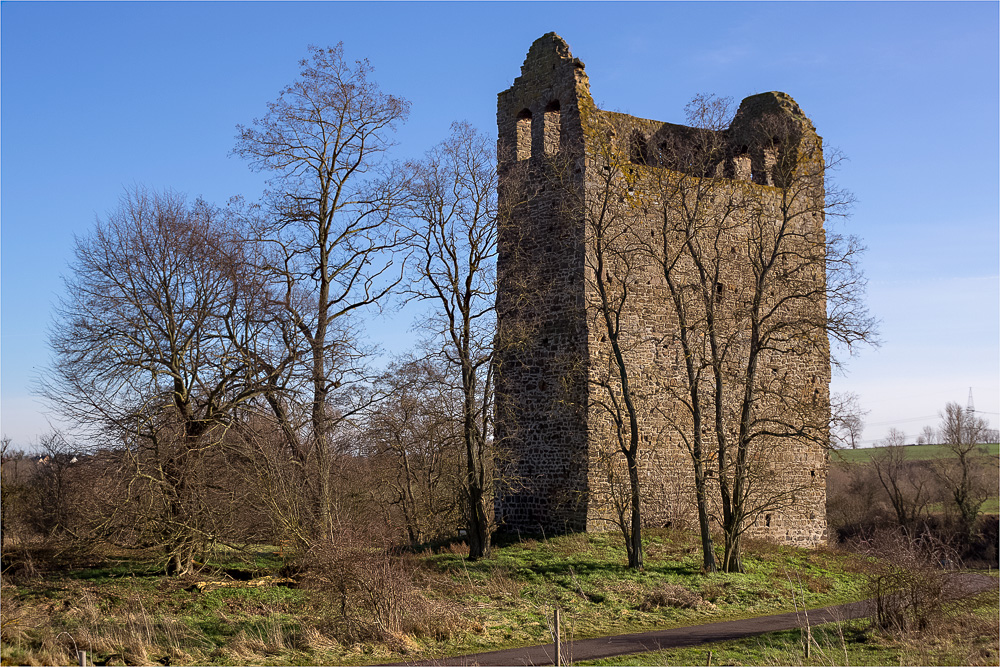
(913, 453)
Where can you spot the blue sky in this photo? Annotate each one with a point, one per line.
(100, 96)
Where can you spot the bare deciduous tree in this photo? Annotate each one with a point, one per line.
(416, 445)
(928, 436)
(325, 242)
(905, 482)
(453, 246)
(613, 267)
(968, 476)
(149, 354)
(847, 420)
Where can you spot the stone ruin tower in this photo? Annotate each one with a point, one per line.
(550, 428)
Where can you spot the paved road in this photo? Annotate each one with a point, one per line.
(605, 647)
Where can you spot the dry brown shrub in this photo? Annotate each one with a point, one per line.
(455, 549)
(905, 579)
(54, 650)
(372, 584)
(671, 595)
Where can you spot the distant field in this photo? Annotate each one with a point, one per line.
(913, 453)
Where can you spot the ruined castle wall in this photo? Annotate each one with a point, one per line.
(554, 410)
(541, 424)
(789, 474)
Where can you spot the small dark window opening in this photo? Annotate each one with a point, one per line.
(812, 473)
(638, 150)
(767, 520)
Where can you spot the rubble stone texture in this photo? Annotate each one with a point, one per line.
(559, 468)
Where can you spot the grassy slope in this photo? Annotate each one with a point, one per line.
(124, 612)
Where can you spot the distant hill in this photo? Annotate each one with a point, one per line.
(913, 453)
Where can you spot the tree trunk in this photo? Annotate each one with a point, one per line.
(635, 538)
(732, 560)
(479, 533)
(704, 524)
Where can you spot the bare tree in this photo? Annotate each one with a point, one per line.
(697, 208)
(905, 482)
(894, 438)
(847, 420)
(968, 476)
(614, 266)
(324, 239)
(415, 442)
(453, 245)
(928, 436)
(57, 488)
(756, 282)
(149, 354)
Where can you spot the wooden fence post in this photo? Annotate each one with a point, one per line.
(558, 640)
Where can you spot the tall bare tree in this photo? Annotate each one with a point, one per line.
(698, 210)
(770, 284)
(614, 265)
(453, 245)
(149, 357)
(325, 236)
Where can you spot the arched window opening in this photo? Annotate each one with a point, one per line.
(552, 128)
(524, 135)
